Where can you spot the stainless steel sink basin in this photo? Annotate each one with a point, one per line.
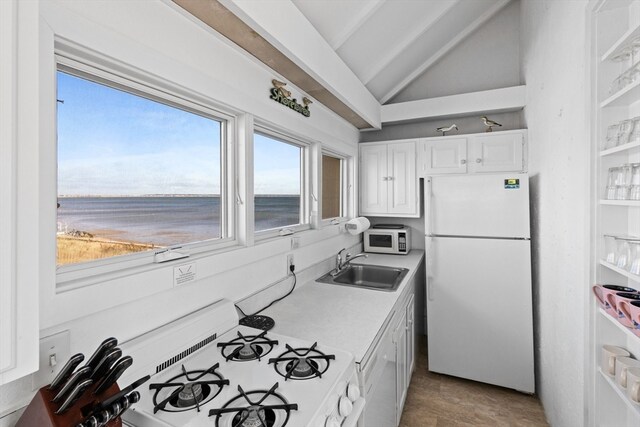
(376, 277)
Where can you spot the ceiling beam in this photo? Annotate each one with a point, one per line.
(357, 21)
(483, 102)
(477, 23)
(340, 90)
(411, 37)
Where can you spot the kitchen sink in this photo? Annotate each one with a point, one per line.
(367, 276)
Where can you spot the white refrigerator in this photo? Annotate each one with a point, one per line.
(479, 302)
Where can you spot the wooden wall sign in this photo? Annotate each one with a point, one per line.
(283, 96)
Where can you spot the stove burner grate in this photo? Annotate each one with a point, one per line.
(302, 363)
(187, 390)
(249, 347)
(262, 409)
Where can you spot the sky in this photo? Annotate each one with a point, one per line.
(114, 143)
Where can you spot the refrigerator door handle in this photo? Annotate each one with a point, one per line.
(429, 295)
(427, 206)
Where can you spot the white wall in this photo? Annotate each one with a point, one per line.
(553, 47)
(487, 59)
(155, 38)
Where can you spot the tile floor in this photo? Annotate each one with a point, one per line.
(436, 400)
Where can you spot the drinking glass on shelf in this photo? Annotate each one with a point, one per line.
(634, 256)
(634, 191)
(622, 252)
(624, 177)
(622, 192)
(611, 139)
(624, 132)
(611, 182)
(635, 133)
(610, 249)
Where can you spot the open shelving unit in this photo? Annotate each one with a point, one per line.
(613, 25)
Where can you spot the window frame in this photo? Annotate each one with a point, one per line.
(72, 276)
(344, 188)
(305, 183)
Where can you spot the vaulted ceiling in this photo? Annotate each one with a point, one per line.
(350, 55)
(388, 43)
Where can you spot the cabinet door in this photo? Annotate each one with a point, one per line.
(402, 197)
(400, 338)
(438, 156)
(373, 179)
(496, 153)
(411, 338)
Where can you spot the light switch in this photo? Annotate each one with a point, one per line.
(54, 352)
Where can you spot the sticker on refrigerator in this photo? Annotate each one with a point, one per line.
(512, 183)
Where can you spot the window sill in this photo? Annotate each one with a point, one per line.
(82, 297)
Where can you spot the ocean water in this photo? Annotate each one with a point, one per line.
(165, 221)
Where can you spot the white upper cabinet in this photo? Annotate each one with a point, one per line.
(476, 153)
(496, 152)
(442, 155)
(388, 180)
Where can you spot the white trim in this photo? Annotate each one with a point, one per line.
(344, 185)
(101, 71)
(305, 183)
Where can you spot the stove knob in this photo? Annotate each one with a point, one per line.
(353, 392)
(345, 406)
(332, 422)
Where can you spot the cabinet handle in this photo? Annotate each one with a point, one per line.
(478, 160)
(390, 178)
(463, 161)
(385, 178)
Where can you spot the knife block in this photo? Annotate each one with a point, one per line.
(41, 411)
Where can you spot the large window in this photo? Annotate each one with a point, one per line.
(278, 183)
(135, 172)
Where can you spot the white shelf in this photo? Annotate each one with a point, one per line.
(632, 203)
(619, 270)
(621, 393)
(624, 97)
(620, 148)
(621, 43)
(619, 325)
(485, 102)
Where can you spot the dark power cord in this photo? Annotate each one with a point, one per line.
(293, 287)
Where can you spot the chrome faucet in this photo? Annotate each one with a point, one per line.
(348, 258)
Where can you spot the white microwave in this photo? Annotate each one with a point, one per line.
(388, 239)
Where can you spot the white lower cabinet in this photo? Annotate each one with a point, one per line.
(387, 373)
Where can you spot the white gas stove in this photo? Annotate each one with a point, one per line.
(209, 371)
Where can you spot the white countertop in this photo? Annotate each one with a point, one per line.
(344, 317)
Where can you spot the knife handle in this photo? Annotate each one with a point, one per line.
(116, 370)
(107, 362)
(68, 387)
(100, 352)
(74, 396)
(66, 371)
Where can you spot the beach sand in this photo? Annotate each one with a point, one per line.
(72, 249)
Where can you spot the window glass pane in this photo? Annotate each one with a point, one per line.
(276, 183)
(133, 174)
(331, 187)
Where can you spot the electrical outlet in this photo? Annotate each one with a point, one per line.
(289, 262)
(54, 353)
